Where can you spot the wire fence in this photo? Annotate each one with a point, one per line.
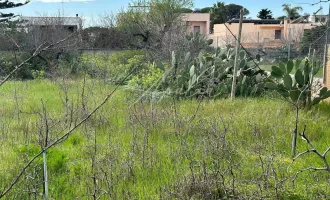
(274, 47)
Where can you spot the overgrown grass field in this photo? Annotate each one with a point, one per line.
(136, 149)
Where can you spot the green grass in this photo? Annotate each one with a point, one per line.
(146, 151)
(319, 74)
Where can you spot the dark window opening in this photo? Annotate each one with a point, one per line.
(71, 28)
(197, 29)
(277, 34)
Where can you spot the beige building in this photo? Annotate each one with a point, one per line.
(72, 24)
(266, 33)
(198, 22)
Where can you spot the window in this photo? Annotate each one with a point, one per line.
(197, 29)
(277, 34)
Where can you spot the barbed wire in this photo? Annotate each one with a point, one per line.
(311, 4)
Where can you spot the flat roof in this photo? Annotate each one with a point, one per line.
(50, 20)
(257, 21)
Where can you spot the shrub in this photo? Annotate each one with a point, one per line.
(146, 78)
(9, 60)
(46, 65)
(112, 67)
(38, 74)
(282, 53)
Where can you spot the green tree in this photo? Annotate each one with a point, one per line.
(221, 13)
(156, 27)
(206, 10)
(218, 14)
(7, 4)
(292, 12)
(233, 11)
(265, 14)
(281, 17)
(185, 10)
(311, 35)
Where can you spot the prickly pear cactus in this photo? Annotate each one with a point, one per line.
(297, 86)
(210, 74)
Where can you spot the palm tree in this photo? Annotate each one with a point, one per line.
(292, 12)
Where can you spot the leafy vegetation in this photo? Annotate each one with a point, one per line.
(192, 143)
(113, 66)
(265, 14)
(228, 149)
(221, 13)
(297, 89)
(211, 75)
(314, 34)
(291, 12)
(5, 17)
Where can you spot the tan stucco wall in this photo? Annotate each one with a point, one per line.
(202, 25)
(198, 19)
(253, 34)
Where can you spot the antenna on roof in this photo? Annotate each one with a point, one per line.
(318, 10)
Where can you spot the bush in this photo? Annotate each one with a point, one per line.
(9, 60)
(47, 64)
(283, 51)
(112, 67)
(146, 78)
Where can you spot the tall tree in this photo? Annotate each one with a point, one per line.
(185, 10)
(233, 11)
(265, 14)
(8, 4)
(157, 26)
(281, 17)
(221, 13)
(218, 14)
(206, 10)
(292, 12)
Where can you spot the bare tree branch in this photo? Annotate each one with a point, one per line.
(60, 139)
(312, 150)
(35, 54)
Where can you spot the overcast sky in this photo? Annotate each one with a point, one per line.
(90, 9)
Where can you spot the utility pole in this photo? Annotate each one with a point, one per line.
(325, 56)
(238, 44)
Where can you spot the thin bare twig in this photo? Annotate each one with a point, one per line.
(312, 150)
(61, 139)
(35, 54)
